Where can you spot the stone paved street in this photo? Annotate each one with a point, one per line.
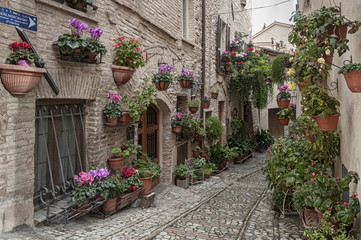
(234, 204)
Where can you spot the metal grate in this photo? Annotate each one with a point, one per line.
(60, 150)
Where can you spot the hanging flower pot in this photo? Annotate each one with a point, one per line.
(177, 129)
(147, 184)
(214, 95)
(115, 163)
(310, 218)
(341, 31)
(353, 80)
(193, 109)
(122, 75)
(112, 121)
(184, 83)
(125, 118)
(329, 123)
(284, 121)
(18, 79)
(162, 85)
(283, 103)
(205, 105)
(78, 5)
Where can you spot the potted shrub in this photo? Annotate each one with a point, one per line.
(193, 105)
(79, 4)
(147, 171)
(214, 128)
(323, 107)
(283, 97)
(140, 101)
(93, 46)
(118, 155)
(196, 151)
(182, 173)
(113, 110)
(352, 74)
(17, 75)
(128, 57)
(208, 169)
(176, 122)
(163, 78)
(206, 101)
(219, 156)
(285, 114)
(197, 166)
(186, 78)
(215, 92)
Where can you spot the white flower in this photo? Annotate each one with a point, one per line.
(328, 52)
(321, 60)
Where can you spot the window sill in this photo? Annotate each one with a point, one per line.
(62, 7)
(192, 44)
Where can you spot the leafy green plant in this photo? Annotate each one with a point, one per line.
(214, 128)
(126, 151)
(263, 138)
(239, 128)
(146, 167)
(194, 103)
(278, 68)
(215, 90)
(21, 54)
(128, 53)
(350, 67)
(164, 74)
(182, 170)
(69, 43)
(112, 110)
(288, 112)
(218, 153)
(94, 46)
(87, 2)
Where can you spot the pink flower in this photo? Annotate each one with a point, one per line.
(346, 204)
(338, 178)
(313, 174)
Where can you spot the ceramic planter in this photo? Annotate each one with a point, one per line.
(177, 129)
(205, 105)
(147, 184)
(20, 80)
(115, 163)
(353, 80)
(162, 85)
(184, 83)
(329, 123)
(284, 121)
(214, 95)
(283, 103)
(24, 63)
(121, 74)
(193, 109)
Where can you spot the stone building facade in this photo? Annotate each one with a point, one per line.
(172, 29)
(349, 121)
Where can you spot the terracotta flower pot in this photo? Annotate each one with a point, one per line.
(18, 79)
(125, 118)
(112, 121)
(193, 109)
(205, 105)
(121, 74)
(283, 103)
(177, 129)
(203, 154)
(329, 123)
(185, 83)
(284, 121)
(196, 153)
(115, 163)
(214, 95)
(24, 63)
(162, 85)
(222, 165)
(353, 80)
(109, 205)
(147, 184)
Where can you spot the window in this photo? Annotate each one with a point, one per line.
(59, 149)
(222, 41)
(188, 20)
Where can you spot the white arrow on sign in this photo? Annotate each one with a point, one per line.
(32, 23)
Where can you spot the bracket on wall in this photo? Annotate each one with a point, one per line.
(149, 55)
(195, 89)
(40, 63)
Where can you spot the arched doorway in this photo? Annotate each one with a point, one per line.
(148, 133)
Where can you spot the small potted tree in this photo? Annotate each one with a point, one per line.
(215, 92)
(17, 75)
(285, 114)
(163, 78)
(186, 78)
(113, 110)
(352, 74)
(206, 101)
(128, 57)
(283, 97)
(193, 105)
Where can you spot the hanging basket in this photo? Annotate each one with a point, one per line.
(214, 95)
(329, 123)
(353, 80)
(19, 80)
(284, 121)
(121, 74)
(185, 83)
(177, 129)
(341, 31)
(193, 109)
(283, 103)
(125, 118)
(205, 105)
(162, 85)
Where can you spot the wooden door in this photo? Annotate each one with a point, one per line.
(274, 126)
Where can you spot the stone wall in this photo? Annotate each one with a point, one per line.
(156, 24)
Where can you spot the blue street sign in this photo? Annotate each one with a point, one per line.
(18, 19)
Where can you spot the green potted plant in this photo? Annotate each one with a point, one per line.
(79, 4)
(278, 68)
(186, 78)
(219, 156)
(215, 92)
(285, 114)
(177, 122)
(197, 166)
(147, 171)
(208, 169)
(214, 128)
(352, 74)
(206, 101)
(93, 46)
(204, 153)
(113, 110)
(83, 191)
(283, 97)
(182, 173)
(17, 75)
(164, 77)
(316, 102)
(128, 57)
(193, 105)
(141, 101)
(196, 151)
(118, 155)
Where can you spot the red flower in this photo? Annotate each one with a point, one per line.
(250, 49)
(346, 204)
(233, 54)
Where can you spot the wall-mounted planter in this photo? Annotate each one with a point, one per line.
(283, 103)
(193, 109)
(205, 105)
(353, 80)
(214, 95)
(185, 83)
(121, 74)
(284, 121)
(162, 85)
(19, 80)
(125, 118)
(329, 123)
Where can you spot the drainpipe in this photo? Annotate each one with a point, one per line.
(203, 50)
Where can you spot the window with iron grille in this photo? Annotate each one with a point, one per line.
(222, 41)
(60, 150)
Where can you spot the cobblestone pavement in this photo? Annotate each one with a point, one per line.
(234, 204)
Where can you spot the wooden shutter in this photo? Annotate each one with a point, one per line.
(228, 38)
(218, 44)
(243, 3)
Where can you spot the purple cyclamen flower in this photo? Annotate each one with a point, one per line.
(78, 26)
(178, 116)
(165, 68)
(205, 96)
(239, 38)
(282, 88)
(244, 54)
(95, 33)
(293, 135)
(233, 42)
(114, 97)
(99, 173)
(225, 52)
(250, 41)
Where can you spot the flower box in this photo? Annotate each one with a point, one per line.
(129, 198)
